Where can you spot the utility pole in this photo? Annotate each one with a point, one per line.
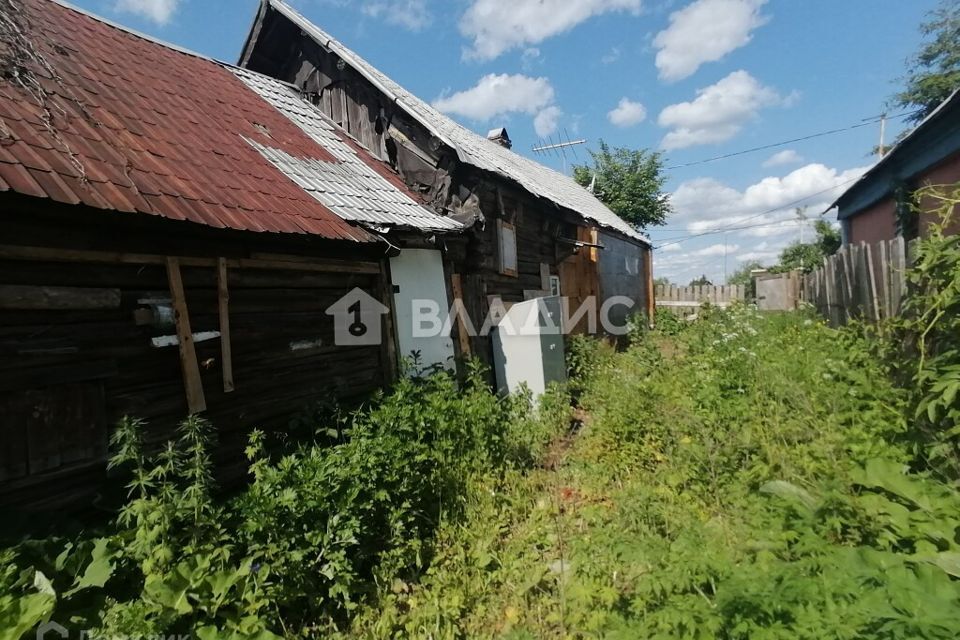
(882, 150)
(725, 258)
(802, 215)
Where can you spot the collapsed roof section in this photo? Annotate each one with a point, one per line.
(471, 149)
(357, 186)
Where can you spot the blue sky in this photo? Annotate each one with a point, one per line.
(694, 78)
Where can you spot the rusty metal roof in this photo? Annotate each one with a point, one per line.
(356, 186)
(471, 148)
(91, 113)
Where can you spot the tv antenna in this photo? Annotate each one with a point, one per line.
(559, 147)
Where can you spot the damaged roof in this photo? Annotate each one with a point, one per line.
(126, 123)
(471, 148)
(357, 186)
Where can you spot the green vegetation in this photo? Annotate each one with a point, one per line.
(934, 72)
(630, 182)
(744, 476)
(320, 527)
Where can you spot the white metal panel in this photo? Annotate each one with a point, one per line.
(418, 280)
(528, 347)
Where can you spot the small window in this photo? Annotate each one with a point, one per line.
(554, 286)
(507, 239)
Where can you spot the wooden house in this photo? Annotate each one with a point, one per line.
(532, 230)
(175, 231)
(877, 207)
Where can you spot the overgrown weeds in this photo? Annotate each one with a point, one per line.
(319, 531)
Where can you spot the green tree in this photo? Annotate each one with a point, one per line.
(630, 182)
(934, 72)
(661, 281)
(702, 281)
(744, 277)
(808, 256)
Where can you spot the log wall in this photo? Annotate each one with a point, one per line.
(78, 352)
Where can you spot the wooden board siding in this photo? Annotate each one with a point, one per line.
(68, 375)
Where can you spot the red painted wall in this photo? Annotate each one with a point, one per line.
(874, 224)
(879, 222)
(946, 173)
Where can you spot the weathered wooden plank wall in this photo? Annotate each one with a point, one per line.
(68, 374)
(687, 301)
(779, 291)
(861, 281)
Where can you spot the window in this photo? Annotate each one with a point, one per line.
(507, 240)
(554, 285)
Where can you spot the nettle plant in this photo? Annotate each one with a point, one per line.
(321, 527)
(927, 335)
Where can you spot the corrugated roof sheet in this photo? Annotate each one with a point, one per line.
(474, 149)
(356, 186)
(128, 124)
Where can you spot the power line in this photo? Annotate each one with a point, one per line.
(731, 227)
(867, 123)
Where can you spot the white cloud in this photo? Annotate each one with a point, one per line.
(158, 11)
(719, 111)
(705, 204)
(496, 95)
(788, 156)
(764, 257)
(705, 31)
(670, 248)
(611, 56)
(529, 58)
(496, 26)
(547, 121)
(627, 114)
(410, 14)
(715, 250)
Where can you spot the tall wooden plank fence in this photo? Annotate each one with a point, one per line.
(687, 301)
(861, 281)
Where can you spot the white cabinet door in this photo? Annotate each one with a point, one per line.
(422, 307)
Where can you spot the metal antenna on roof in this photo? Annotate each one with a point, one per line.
(560, 148)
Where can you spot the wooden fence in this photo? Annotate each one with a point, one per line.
(688, 300)
(865, 281)
(778, 291)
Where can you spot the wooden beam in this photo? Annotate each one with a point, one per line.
(223, 303)
(57, 298)
(390, 339)
(279, 262)
(192, 383)
(648, 277)
(464, 339)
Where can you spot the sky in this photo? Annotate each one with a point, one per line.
(692, 79)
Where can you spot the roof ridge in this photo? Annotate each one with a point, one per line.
(413, 104)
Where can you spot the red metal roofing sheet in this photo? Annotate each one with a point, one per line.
(141, 127)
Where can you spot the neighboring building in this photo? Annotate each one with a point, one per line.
(175, 231)
(877, 207)
(532, 230)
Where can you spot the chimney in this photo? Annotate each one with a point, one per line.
(501, 137)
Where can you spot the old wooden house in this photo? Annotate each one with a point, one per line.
(532, 230)
(175, 231)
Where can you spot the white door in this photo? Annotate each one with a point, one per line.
(422, 307)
